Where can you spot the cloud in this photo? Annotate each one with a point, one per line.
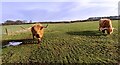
(38, 11)
(83, 1)
(119, 8)
(67, 10)
(0, 10)
(44, 1)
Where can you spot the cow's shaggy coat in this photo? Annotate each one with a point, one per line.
(38, 31)
(105, 24)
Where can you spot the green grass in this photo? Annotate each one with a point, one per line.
(63, 43)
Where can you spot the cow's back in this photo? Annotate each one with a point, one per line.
(105, 23)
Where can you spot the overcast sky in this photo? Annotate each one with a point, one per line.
(45, 10)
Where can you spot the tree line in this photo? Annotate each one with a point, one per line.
(18, 22)
(11, 22)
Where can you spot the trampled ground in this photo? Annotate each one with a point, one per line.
(62, 43)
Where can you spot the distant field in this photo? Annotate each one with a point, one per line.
(62, 43)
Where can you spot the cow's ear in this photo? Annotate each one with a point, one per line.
(41, 28)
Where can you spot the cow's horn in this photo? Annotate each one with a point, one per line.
(46, 26)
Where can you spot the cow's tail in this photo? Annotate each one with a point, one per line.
(114, 28)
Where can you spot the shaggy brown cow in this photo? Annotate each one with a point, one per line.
(38, 31)
(105, 24)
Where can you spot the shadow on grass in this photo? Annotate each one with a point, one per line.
(24, 41)
(86, 33)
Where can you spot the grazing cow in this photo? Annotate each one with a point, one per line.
(105, 24)
(38, 31)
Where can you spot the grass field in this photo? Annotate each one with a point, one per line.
(62, 43)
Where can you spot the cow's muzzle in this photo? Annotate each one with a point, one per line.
(39, 40)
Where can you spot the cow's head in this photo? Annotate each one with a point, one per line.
(39, 37)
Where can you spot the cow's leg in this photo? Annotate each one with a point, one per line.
(100, 25)
(103, 31)
(108, 31)
(39, 41)
(99, 28)
(33, 36)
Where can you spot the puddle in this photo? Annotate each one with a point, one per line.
(13, 44)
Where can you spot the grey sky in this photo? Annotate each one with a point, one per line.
(57, 10)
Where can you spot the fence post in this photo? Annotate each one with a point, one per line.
(6, 31)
